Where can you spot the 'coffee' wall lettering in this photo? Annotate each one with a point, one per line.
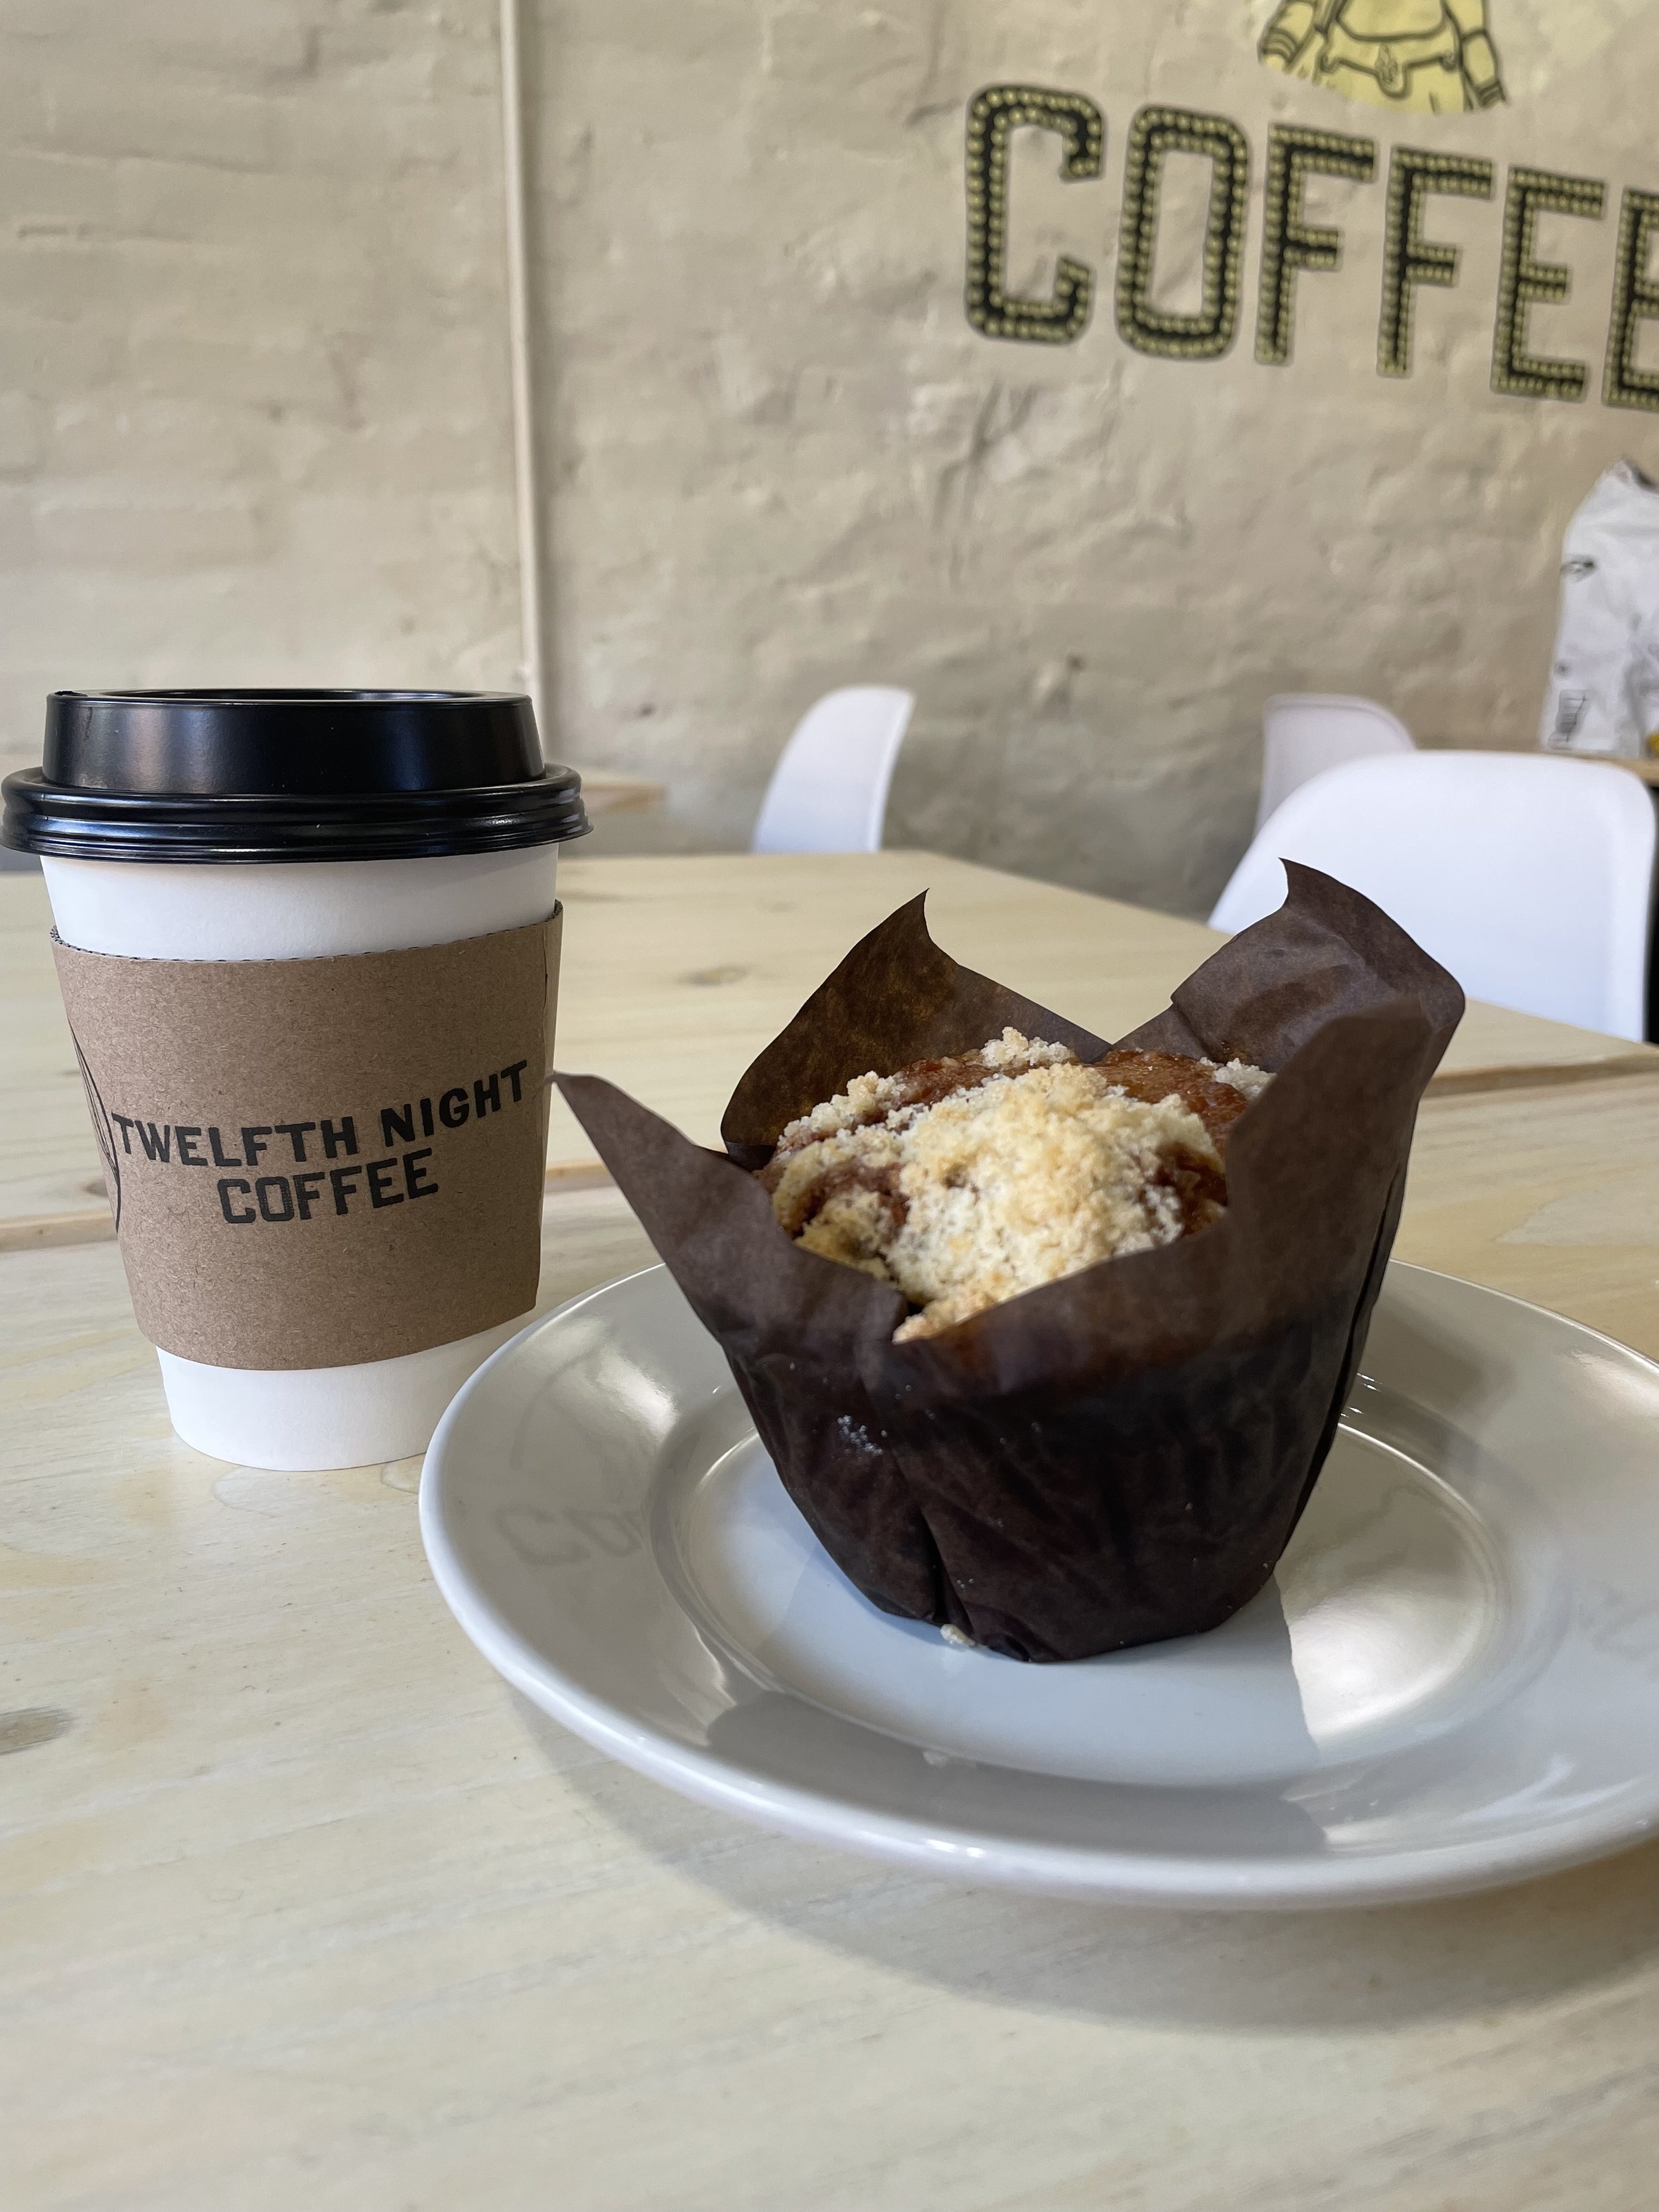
(1413, 256)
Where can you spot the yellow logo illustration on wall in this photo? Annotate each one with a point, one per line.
(1423, 57)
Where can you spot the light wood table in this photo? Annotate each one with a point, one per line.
(1647, 769)
(603, 792)
(677, 971)
(300, 1906)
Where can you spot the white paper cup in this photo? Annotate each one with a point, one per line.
(306, 1416)
(274, 910)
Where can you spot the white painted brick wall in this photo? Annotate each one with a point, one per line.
(253, 379)
(785, 461)
(254, 421)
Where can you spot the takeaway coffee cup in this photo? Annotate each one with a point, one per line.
(309, 947)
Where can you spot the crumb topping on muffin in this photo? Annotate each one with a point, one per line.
(880, 1098)
(967, 1179)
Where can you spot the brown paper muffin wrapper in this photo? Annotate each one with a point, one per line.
(1120, 1456)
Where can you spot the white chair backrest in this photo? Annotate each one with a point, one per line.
(1306, 732)
(1529, 878)
(829, 790)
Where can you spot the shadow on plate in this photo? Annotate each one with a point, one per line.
(1278, 1971)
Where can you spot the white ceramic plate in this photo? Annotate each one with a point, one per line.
(1453, 1680)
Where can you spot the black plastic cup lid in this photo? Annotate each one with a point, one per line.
(288, 775)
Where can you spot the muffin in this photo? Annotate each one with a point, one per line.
(1048, 1338)
(966, 1179)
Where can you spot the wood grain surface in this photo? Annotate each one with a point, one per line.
(1648, 769)
(605, 794)
(301, 1906)
(677, 971)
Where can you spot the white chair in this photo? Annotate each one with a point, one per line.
(829, 790)
(1306, 732)
(1530, 877)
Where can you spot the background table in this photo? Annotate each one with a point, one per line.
(1647, 769)
(300, 1906)
(676, 972)
(603, 792)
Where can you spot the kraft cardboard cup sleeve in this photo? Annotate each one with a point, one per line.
(320, 1163)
